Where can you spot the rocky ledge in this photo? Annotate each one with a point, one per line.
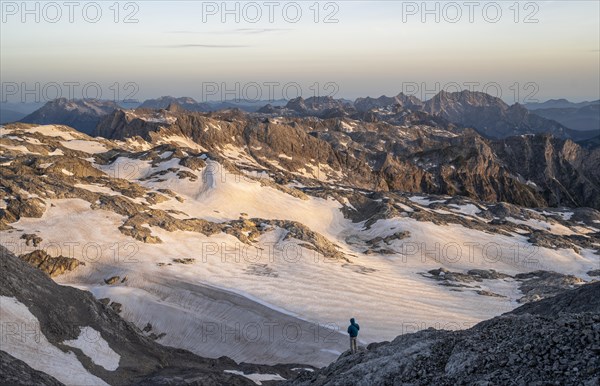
(555, 341)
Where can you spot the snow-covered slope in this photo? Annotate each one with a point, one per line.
(222, 261)
(35, 349)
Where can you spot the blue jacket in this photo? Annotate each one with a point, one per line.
(353, 328)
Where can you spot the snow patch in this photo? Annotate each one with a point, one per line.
(53, 131)
(90, 147)
(19, 148)
(468, 209)
(424, 200)
(257, 378)
(91, 343)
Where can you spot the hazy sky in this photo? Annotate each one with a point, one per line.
(521, 51)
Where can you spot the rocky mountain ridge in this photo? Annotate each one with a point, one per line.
(84, 114)
(585, 118)
(489, 115)
(186, 103)
(422, 155)
(559, 104)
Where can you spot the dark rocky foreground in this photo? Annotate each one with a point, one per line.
(555, 341)
(16, 372)
(62, 311)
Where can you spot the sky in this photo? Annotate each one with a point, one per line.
(213, 50)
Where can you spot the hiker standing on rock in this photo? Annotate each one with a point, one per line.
(353, 332)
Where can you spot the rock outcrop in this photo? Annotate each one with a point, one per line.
(53, 266)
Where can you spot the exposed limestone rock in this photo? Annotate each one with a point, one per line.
(182, 174)
(575, 242)
(187, 260)
(154, 198)
(488, 293)
(112, 280)
(542, 284)
(534, 285)
(313, 240)
(379, 245)
(117, 307)
(20, 207)
(31, 239)
(261, 270)
(191, 162)
(489, 274)
(52, 266)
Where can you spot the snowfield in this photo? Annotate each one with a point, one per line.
(285, 276)
(273, 300)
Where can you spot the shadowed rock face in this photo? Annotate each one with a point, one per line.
(565, 171)
(554, 339)
(491, 116)
(586, 298)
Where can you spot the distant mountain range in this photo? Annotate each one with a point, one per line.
(15, 111)
(12, 112)
(426, 153)
(492, 117)
(489, 115)
(7, 116)
(583, 116)
(82, 114)
(559, 104)
(185, 103)
(191, 104)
